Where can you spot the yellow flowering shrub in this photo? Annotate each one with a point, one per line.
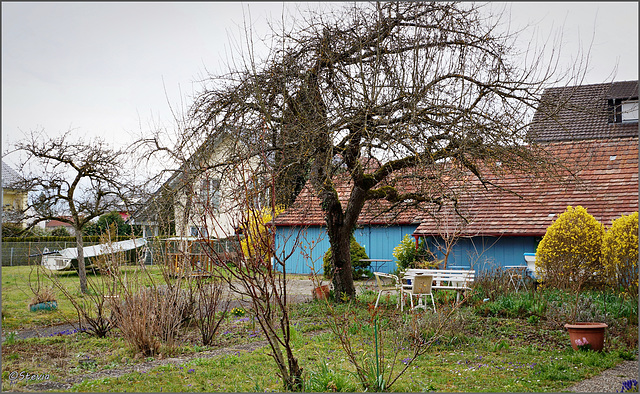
(620, 254)
(569, 254)
(257, 240)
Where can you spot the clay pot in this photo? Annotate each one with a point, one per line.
(321, 292)
(586, 335)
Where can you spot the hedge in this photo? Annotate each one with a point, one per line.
(86, 238)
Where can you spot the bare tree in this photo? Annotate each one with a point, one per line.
(73, 181)
(413, 84)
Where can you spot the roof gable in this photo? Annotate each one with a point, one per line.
(9, 176)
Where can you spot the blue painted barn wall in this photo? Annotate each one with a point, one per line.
(313, 242)
(487, 253)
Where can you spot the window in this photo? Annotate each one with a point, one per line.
(210, 193)
(200, 232)
(630, 111)
(623, 110)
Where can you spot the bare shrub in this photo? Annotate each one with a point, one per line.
(211, 308)
(149, 317)
(174, 306)
(91, 307)
(136, 318)
(493, 282)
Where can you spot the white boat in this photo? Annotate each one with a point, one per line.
(62, 260)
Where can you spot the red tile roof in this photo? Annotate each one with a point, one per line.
(582, 112)
(606, 185)
(307, 210)
(57, 223)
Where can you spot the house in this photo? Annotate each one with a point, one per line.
(594, 130)
(54, 224)
(595, 133)
(302, 227)
(199, 199)
(502, 225)
(14, 198)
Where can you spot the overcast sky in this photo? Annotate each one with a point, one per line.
(113, 69)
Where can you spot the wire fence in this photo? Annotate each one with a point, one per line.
(17, 253)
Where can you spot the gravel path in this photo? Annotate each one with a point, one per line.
(610, 381)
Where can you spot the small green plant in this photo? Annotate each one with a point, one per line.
(11, 338)
(326, 379)
(533, 320)
(238, 312)
(409, 256)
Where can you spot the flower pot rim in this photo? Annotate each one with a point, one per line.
(586, 325)
(43, 302)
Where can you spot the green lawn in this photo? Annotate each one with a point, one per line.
(17, 285)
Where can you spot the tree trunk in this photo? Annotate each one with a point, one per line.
(82, 271)
(342, 272)
(340, 227)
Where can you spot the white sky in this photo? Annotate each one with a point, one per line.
(111, 69)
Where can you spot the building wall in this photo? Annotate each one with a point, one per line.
(480, 253)
(313, 242)
(486, 253)
(13, 203)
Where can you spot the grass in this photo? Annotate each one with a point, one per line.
(16, 294)
(470, 363)
(489, 346)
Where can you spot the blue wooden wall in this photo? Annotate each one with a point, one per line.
(313, 242)
(486, 253)
(481, 253)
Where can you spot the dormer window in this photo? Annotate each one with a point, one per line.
(623, 110)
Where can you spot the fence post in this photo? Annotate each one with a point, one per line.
(11, 258)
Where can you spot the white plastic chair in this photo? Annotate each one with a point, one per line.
(420, 286)
(383, 287)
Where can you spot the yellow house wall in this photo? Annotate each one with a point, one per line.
(13, 200)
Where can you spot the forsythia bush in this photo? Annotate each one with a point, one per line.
(569, 253)
(620, 254)
(256, 241)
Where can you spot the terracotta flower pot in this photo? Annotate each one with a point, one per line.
(586, 335)
(321, 292)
